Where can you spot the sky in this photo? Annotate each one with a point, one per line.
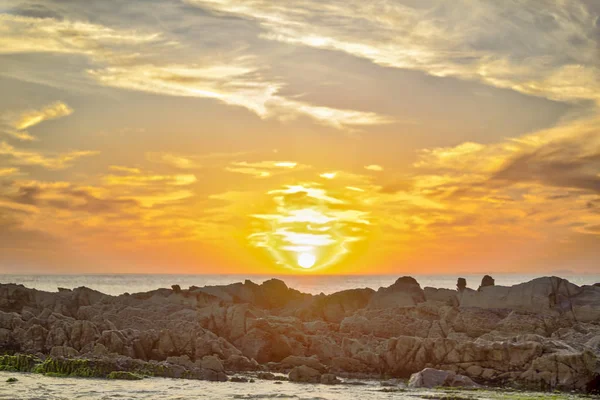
(304, 137)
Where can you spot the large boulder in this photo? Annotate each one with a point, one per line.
(406, 291)
(304, 374)
(431, 378)
(552, 295)
(296, 361)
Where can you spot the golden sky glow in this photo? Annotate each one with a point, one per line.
(252, 136)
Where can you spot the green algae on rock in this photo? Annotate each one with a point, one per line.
(18, 363)
(124, 375)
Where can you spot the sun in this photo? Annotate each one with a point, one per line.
(309, 226)
(306, 260)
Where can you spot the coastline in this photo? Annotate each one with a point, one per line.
(540, 335)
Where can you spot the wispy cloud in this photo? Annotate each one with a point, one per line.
(125, 170)
(49, 160)
(143, 180)
(22, 34)
(8, 171)
(175, 160)
(551, 53)
(374, 167)
(15, 123)
(240, 85)
(33, 117)
(232, 80)
(263, 169)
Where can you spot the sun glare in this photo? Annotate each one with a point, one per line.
(306, 260)
(309, 226)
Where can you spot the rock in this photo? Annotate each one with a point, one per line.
(63, 351)
(304, 374)
(268, 376)
(184, 361)
(486, 281)
(176, 289)
(541, 335)
(461, 284)
(431, 378)
(445, 296)
(296, 361)
(329, 379)
(212, 363)
(240, 363)
(406, 291)
(124, 375)
(239, 379)
(337, 306)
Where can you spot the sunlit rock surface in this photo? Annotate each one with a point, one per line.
(543, 334)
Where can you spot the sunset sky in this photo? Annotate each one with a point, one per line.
(301, 136)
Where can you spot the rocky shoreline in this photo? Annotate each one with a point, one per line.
(539, 335)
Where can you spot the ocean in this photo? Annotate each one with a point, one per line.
(116, 284)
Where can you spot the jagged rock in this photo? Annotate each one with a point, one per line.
(445, 296)
(329, 379)
(240, 363)
(212, 363)
(304, 374)
(406, 291)
(64, 352)
(431, 378)
(486, 281)
(268, 376)
(296, 361)
(337, 306)
(542, 334)
(184, 361)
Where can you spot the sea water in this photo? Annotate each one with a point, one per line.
(35, 386)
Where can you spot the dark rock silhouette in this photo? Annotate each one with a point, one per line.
(487, 281)
(461, 284)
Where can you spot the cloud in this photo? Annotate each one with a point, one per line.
(49, 160)
(175, 160)
(8, 171)
(374, 167)
(240, 85)
(144, 180)
(149, 189)
(117, 62)
(125, 170)
(550, 53)
(22, 34)
(65, 196)
(30, 118)
(572, 163)
(15, 123)
(263, 169)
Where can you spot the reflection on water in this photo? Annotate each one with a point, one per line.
(121, 283)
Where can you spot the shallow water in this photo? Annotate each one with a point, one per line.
(35, 386)
(120, 283)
